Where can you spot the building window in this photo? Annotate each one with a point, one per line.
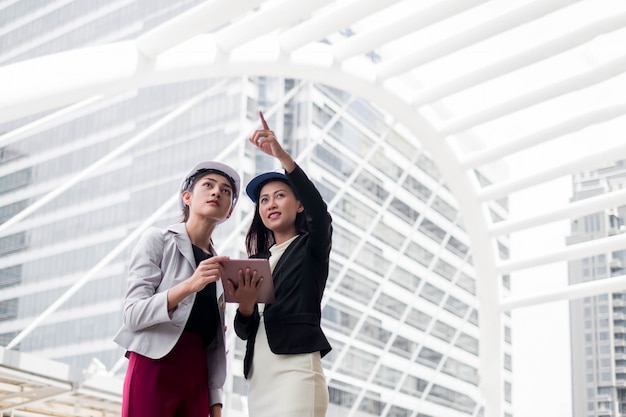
(457, 247)
(456, 306)
(444, 269)
(508, 362)
(342, 319)
(460, 370)
(413, 385)
(429, 357)
(431, 230)
(8, 309)
(467, 343)
(403, 347)
(428, 166)
(385, 165)
(372, 333)
(405, 279)
(10, 210)
(432, 294)
(10, 277)
(344, 243)
(357, 214)
(452, 399)
(372, 257)
(352, 137)
(387, 376)
(419, 254)
(467, 283)
(13, 243)
(357, 287)
(396, 411)
(358, 363)
(370, 186)
(389, 305)
(445, 209)
(418, 319)
(334, 160)
(417, 188)
(340, 397)
(403, 211)
(371, 406)
(443, 331)
(15, 180)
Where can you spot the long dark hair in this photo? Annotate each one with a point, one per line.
(260, 239)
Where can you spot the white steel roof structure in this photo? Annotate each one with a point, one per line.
(34, 386)
(535, 85)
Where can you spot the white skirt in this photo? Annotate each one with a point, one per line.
(285, 385)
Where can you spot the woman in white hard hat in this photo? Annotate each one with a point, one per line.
(173, 322)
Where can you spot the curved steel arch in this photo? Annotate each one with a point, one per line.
(121, 66)
(228, 38)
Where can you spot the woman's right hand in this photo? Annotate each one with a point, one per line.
(209, 270)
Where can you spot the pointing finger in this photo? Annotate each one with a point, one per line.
(263, 122)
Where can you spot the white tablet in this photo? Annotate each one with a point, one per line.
(262, 266)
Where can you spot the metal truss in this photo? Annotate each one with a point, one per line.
(32, 386)
(480, 83)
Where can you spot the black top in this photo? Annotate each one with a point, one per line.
(204, 316)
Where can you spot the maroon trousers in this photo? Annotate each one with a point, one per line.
(173, 386)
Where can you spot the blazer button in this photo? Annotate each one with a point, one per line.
(222, 305)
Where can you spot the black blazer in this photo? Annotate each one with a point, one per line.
(292, 322)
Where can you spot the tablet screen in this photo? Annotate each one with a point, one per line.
(262, 266)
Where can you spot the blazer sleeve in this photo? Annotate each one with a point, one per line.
(144, 306)
(216, 396)
(247, 326)
(320, 221)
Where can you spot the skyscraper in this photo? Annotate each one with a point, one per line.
(400, 308)
(597, 323)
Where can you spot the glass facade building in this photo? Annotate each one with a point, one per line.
(598, 323)
(400, 307)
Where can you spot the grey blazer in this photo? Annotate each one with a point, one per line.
(161, 259)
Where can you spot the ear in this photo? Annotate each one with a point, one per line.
(300, 207)
(186, 195)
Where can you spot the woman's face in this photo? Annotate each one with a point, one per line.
(278, 207)
(211, 197)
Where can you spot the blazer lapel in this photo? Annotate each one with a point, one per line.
(183, 243)
(285, 255)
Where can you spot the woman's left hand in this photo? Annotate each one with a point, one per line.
(245, 291)
(266, 140)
